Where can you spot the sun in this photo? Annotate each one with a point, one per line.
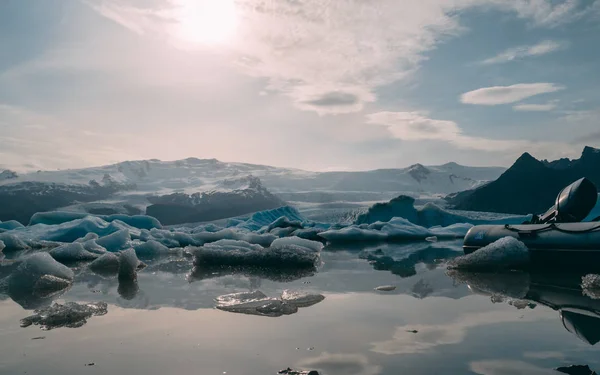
(206, 21)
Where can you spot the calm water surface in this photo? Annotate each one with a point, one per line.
(168, 323)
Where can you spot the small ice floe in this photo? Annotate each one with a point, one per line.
(106, 265)
(301, 299)
(385, 288)
(71, 315)
(289, 371)
(257, 303)
(128, 265)
(72, 252)
(39, 275)
(506, 253)
(590, 285)
(431, 239)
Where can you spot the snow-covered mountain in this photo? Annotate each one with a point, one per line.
(131, 186)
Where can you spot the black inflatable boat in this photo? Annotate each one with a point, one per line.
(557, 232)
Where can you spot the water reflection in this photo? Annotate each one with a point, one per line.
(579, 313)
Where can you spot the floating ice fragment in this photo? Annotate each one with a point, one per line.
(292, 252)
(115, 241)
(128, 265)
(289, 371)
(591, 285)
(505, 253)
(254, 303)
(431, 239)
(301, 299)
(71, 314)
(2, 245)
(386, 288)
(150, 249)
(72, 252)
(107, 264)
(39, 275)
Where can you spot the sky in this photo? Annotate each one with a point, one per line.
(311, 84)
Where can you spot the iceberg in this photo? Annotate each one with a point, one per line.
(506, 253)
(291, 252)
(115, 241)
(429, 215)
(37, 277)
(128, 265)
(9, 225)
(394, 230)
(265, 218)
(150, 249)
(71, 315)
(2, 246)
(72, 252)
(12, 243)
(107, 264)
(61, 217)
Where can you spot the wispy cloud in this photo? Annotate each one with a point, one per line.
(330, 57)
(534, 107)
(507, 94)
(416, 126)
(517, 53)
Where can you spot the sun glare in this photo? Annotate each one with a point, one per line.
(206, 21)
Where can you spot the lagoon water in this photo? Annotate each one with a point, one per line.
(432, 323)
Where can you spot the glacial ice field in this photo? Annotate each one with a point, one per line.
(386, 290)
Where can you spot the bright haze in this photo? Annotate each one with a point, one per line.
(311, 84)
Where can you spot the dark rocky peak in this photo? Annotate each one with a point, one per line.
(7, 174)
(590, 153)
(563, 163)
(418, 172)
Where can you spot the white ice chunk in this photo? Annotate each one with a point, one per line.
(505, 253)
(2, 245)
(297, 242)
(396, 229)
(39, 274)
(234, 234)
(150, 248)
(88, 237)
(115, 241)
(72, 252)
(292, 252)
(93, 247)
(128, 264)
(385, 288)
(301, 299)
(71, 315)
(254, 303)
(106, 264)
(591, 285)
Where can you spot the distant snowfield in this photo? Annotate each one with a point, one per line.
(155, 177)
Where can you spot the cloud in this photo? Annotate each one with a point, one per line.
(416, 126)
(517, 53)
(507, 94)
(340, 364)
(534, 107)
(306, 50)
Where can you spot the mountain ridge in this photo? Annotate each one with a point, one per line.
(529, 185)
